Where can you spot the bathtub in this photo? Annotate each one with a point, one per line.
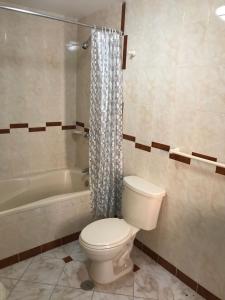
(40, 208)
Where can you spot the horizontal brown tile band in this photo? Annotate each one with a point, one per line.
(220, 170)
(5, 262)
(173, 270)
(36, 129)
(129, 137)
(4, 131)
(161, 146)
(180, 158)
(204, 156)
(143, 147)
(81, 124)
(68, 127)
(53, 124)
(19, 125)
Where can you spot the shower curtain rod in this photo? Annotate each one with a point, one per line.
(56, 18)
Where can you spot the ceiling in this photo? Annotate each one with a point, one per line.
(71, 8)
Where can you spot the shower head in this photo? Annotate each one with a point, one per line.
(73, 45)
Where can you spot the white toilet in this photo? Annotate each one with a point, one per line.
(108, 242)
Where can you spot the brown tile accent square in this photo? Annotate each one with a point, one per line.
(19, 125)
(49, 124)
(187, 280)
(29, 253)
(9, 261)
(67, 259)
(68, 127)
(180, 158)
(36, 129)
(81, 124)
(206, 294)
(166, 265)
(4, 131)
(161, 146)
(204, 156)
(135, 268)
(143, 147)
(123, 16)
(51, 245)
(124, 61)
(220, 170)
(129, 137)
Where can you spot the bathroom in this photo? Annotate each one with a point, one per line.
(163, 130)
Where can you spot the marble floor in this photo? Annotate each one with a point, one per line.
(49, 277)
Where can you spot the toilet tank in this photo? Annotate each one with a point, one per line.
(141, 202)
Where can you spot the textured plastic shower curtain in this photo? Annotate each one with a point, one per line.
(105, 145)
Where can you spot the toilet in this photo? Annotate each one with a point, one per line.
(108, 242)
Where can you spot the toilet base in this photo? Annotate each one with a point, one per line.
(105, 272)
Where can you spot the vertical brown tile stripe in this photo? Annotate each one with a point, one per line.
(68, 127)
(129, 137)
(124, 62)
(19, 125)
(180, 158)
(220, 170)
(204, 156)
(4, 131)
(81, 124)
(49, 124)
(161, 146)
(36, 129)
(172, 269)
(123, 17)
(143, 147)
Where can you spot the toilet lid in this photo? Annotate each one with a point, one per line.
(105, 232)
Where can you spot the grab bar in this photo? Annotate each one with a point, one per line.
(178, 152)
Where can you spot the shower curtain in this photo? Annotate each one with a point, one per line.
(105, 144)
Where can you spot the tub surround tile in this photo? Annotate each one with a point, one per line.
(204, 156)
(123, 17)
(143, 147)
(44, 270)
(4, 131)
(66, 293)
(68, 127)
(50, 124)
(161, 146)
(81, 124)
(180, 158)
(19, 125)
(37, 129)
(129, 137)
(125, 45)
(31, 291)
(220, 170)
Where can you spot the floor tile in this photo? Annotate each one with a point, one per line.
(44, 270)
(124, 286)
(8, 284)
(140, 258)
(73, 274)
(77, 253)
(15, 271)
(66, 293)
(31, 291)
(105, 296)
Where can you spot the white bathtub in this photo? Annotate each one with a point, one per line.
(40, 208)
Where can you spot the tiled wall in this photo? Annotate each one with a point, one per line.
(174, 94)
(37, 85)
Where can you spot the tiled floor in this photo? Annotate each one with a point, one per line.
(48, 277)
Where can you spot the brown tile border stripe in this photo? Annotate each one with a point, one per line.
(161, 146)
(129, 137)
(124, 61)
(123, 16)
(19, 125)
(204, 156)
(86, 130)
(68, 127)
(8, 261)
(36, 129)
(220, 170)
(49, 124)
(143, 147)
(4, 131)
(81, 124)
(173, 270)
(180, 158)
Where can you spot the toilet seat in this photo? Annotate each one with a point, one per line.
(106, 233)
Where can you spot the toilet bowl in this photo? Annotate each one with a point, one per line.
(108, 242)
